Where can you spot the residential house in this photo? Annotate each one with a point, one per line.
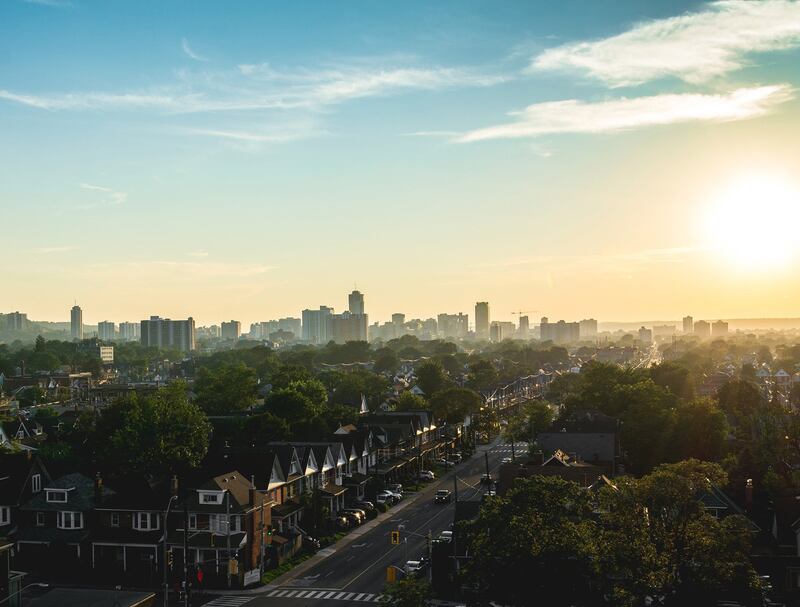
(22, 475)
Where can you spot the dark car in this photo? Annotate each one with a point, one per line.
(443, 496)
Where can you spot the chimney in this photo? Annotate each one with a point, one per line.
(173, 485)
(98, 489)
(748, 495)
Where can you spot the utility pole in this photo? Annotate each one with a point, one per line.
(186, 554)
(486, 457)
(228, 519)
(164, 564)
(455, 512)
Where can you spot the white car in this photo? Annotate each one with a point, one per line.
(446, 536)
(413, 566)
(426, 475)
(387, 497)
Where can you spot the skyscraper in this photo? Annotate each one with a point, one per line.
(356, 302)
(106, 330)
(524, 327)
(482, 319)
(128, 331)
(166, 333)
(688, 325)
(76, 322)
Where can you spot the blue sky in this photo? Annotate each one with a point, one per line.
(250, 159)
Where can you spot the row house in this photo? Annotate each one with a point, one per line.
(22, 476)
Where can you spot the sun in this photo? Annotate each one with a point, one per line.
(753, 222)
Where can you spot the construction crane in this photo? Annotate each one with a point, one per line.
(521, 312)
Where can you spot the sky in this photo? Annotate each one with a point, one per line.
(620, 160)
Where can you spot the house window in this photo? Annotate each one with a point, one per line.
(70, 520)
(114, 519)
(40, 519)
(145, 521)
(36, 483)
(5, 515)
(207, 497)
(56, 496)
(192, 521)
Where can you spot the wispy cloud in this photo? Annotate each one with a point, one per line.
(105, 197)
(191, 53)
(52, 3)
(181, 270)
(246, 136)
(198, 253)
(574, 116)
(260, 87)
(49, 250)
(694, 47)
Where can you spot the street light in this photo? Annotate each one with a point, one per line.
(164, 564)
(23, 589)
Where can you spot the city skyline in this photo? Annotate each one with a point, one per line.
(437, 155)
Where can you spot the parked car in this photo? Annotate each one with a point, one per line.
(413, 567)
(398, 496)
(387, 497)
(443, 496)
(395, 488)
(443, 462)
(456, 457)
(446, 536)
(362, 516)
(506, 460)
(426, 475)
(364, 505)
(353, 518)
(342, 522)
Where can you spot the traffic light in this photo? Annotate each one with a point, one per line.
(395, 537)
(170, 558)
(269, 530)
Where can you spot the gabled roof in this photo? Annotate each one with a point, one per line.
(15, 472)
(135, 492)
(80, 494)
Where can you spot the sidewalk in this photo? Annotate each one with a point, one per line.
(350, 537)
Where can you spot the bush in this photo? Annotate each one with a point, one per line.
(381, 507)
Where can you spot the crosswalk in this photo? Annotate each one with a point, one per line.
(332, 595)
(229, 601)
(518, 448)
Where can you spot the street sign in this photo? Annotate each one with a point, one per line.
(391, 574)
(395, 538)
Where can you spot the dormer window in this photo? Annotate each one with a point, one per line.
(145, 521)
(56, 496)
(211, 497)
(36, 483)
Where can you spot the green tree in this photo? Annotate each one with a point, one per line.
(482, 376)
(227, 389)
(430, 377)
(156, 435)
(674, 377)
(291, 405)
(408, 592)
(454, 404)
(700, 431)
(265, 428)
(408, 400)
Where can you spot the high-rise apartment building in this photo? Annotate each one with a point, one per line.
(106, 330)
(346, 327)
(315, 325)
(524, 327)
(167, 333)
(355, 302)
(645, 335)
(688, 325)
(76, 322)
(231, 330)
(453, 325)
(290, 325)
(702, 329)
(560, 332)
(482, 319)
(719, 328)
(587, 328)
(16, 321)
(129, 331)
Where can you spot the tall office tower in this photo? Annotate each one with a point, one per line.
(166, 333)
(588, 328)
(688, 325)
(355, 302)
(702, 329)
(315, 325)
(524, 327)
(76, 322)
(128, 331)
(106, 330)
(482, 319)
(231, 330)
(719, 328)
(16, 321)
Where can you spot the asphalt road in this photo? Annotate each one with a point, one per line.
(356, 572)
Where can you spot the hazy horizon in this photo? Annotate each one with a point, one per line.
(250, 161)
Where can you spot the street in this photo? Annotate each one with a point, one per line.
(356, 572)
